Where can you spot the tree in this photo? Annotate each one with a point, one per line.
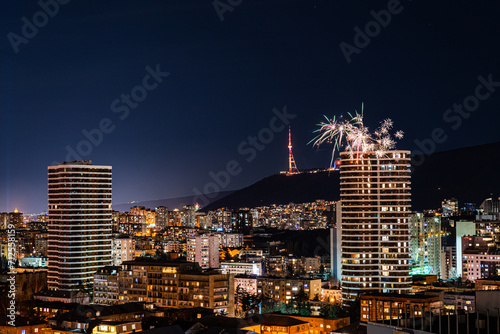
(333, 282)
(301, 296)
(222, 313)
(322, 269)
(161, 255)
(238, 296)
(245, 302)
(334, 310)
(304, 308)
(227, 254)
(222, 254)
(353, 309)
(269, 305)
(287, 308)
(4, 301)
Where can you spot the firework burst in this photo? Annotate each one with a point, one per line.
(353, 136)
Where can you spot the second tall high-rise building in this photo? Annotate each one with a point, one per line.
(374, 227)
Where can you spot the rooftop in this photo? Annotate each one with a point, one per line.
(354, 328)
(492, 278)
(20, 322)
(118, 323)
(110, 270)
(278, 320)
(176, 329)
(149, 261)
(54, 293)
(76, 162)
(290, 278)
(398, 296)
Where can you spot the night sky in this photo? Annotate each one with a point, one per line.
(225, 78)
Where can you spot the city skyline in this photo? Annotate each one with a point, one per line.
(245, 263)
(202, 166)
(200, 86)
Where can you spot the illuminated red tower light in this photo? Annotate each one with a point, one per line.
(292, 166)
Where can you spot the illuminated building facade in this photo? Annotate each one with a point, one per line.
(331, 295)
(146, 216)
(284, 289)
(481, 265)
(449, 207)
(174, 218)
(41, 241)
(161, 217)
(203, 249)
(375, 240)
(425, 244)
(114, 327)
(241, 268)
(462, 228)
(246, 283)
(188, 216)
(14, 218)
(177, 285)
(123, 249)
(377, 307)
(448, 262)
(79, 228)
(231, 240)
(131, 224)
(242, 221)
(106, 289)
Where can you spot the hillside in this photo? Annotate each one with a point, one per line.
(171, 203)
(469, 174)
(283, 189)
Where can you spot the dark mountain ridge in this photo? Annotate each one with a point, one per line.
(469, 174)
(171, 203)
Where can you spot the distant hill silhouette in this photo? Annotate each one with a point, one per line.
(283, 189)
(469, 174)
(171, 203)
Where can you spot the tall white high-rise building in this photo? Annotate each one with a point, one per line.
(462, 228)
(79, 227)
(203, 249)
(374, 227)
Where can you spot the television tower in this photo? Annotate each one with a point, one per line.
(292, 167)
